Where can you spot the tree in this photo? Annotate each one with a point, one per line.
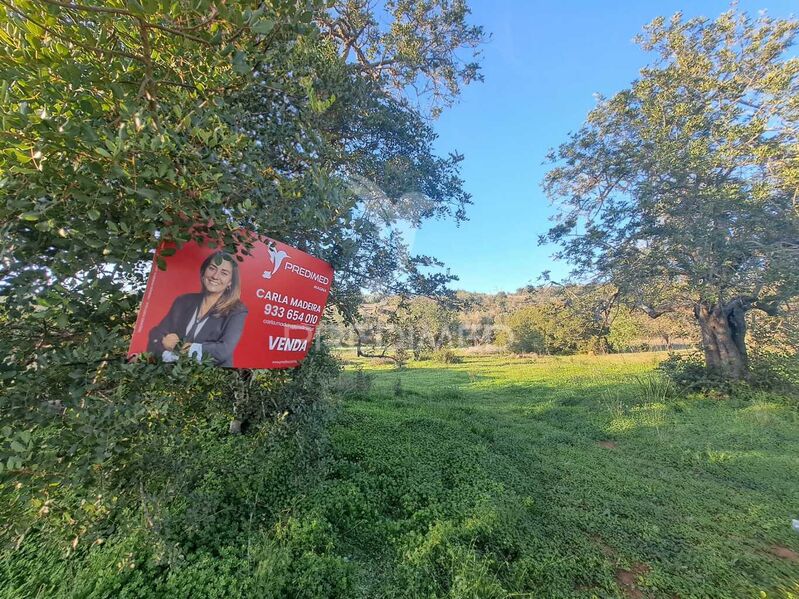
(589, 313)
(428, 325)
(548, 327)
(525, 331)
(124, 124)
(623, 330)
(681, 189)
(366, 161)
(400, 325)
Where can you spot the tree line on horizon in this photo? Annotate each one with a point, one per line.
(535, 319)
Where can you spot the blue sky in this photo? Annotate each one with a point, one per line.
(542, 67)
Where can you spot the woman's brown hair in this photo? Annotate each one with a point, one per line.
(230, 298)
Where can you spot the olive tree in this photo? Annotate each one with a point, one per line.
(681, 189)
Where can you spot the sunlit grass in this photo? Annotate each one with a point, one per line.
(555, 476)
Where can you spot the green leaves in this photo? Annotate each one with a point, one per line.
(15, 448)
(124, 127)
(240, 64)
(145, 193)
(263, 26)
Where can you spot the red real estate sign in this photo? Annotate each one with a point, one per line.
(265, 308)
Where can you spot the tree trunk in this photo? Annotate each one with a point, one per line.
(667, 341)
(723, 330)
(602, 345)
(242, 404)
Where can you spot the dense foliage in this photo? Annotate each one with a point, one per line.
(571, 322)
(681, 190)
(123, 124)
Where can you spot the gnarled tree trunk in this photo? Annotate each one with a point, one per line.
(723, 330)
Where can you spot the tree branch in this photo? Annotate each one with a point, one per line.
(655, 313)
(207, 21)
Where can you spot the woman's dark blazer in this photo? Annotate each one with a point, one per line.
(218, 336)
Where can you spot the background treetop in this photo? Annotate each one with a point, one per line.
(424, 50)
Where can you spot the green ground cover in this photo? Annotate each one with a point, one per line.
(570, 477)
(494, 477)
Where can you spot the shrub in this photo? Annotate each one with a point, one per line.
(446, 355)
(263, 395)
(769, 371)
(363, 381)
(148, 439)
(776, 371)
(689, 373)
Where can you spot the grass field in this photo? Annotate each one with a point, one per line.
(564, 477)
(494, 477)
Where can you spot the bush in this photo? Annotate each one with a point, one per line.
(446, 355)
(263, 395)
(776, 371)
(769, 371)
(363, 381)
(161, 467)
(145, 447)
(688, 372)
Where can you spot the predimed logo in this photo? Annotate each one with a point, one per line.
(308, 274)
(277, 257)
(287, 344)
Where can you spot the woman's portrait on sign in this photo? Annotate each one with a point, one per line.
(207, 323)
